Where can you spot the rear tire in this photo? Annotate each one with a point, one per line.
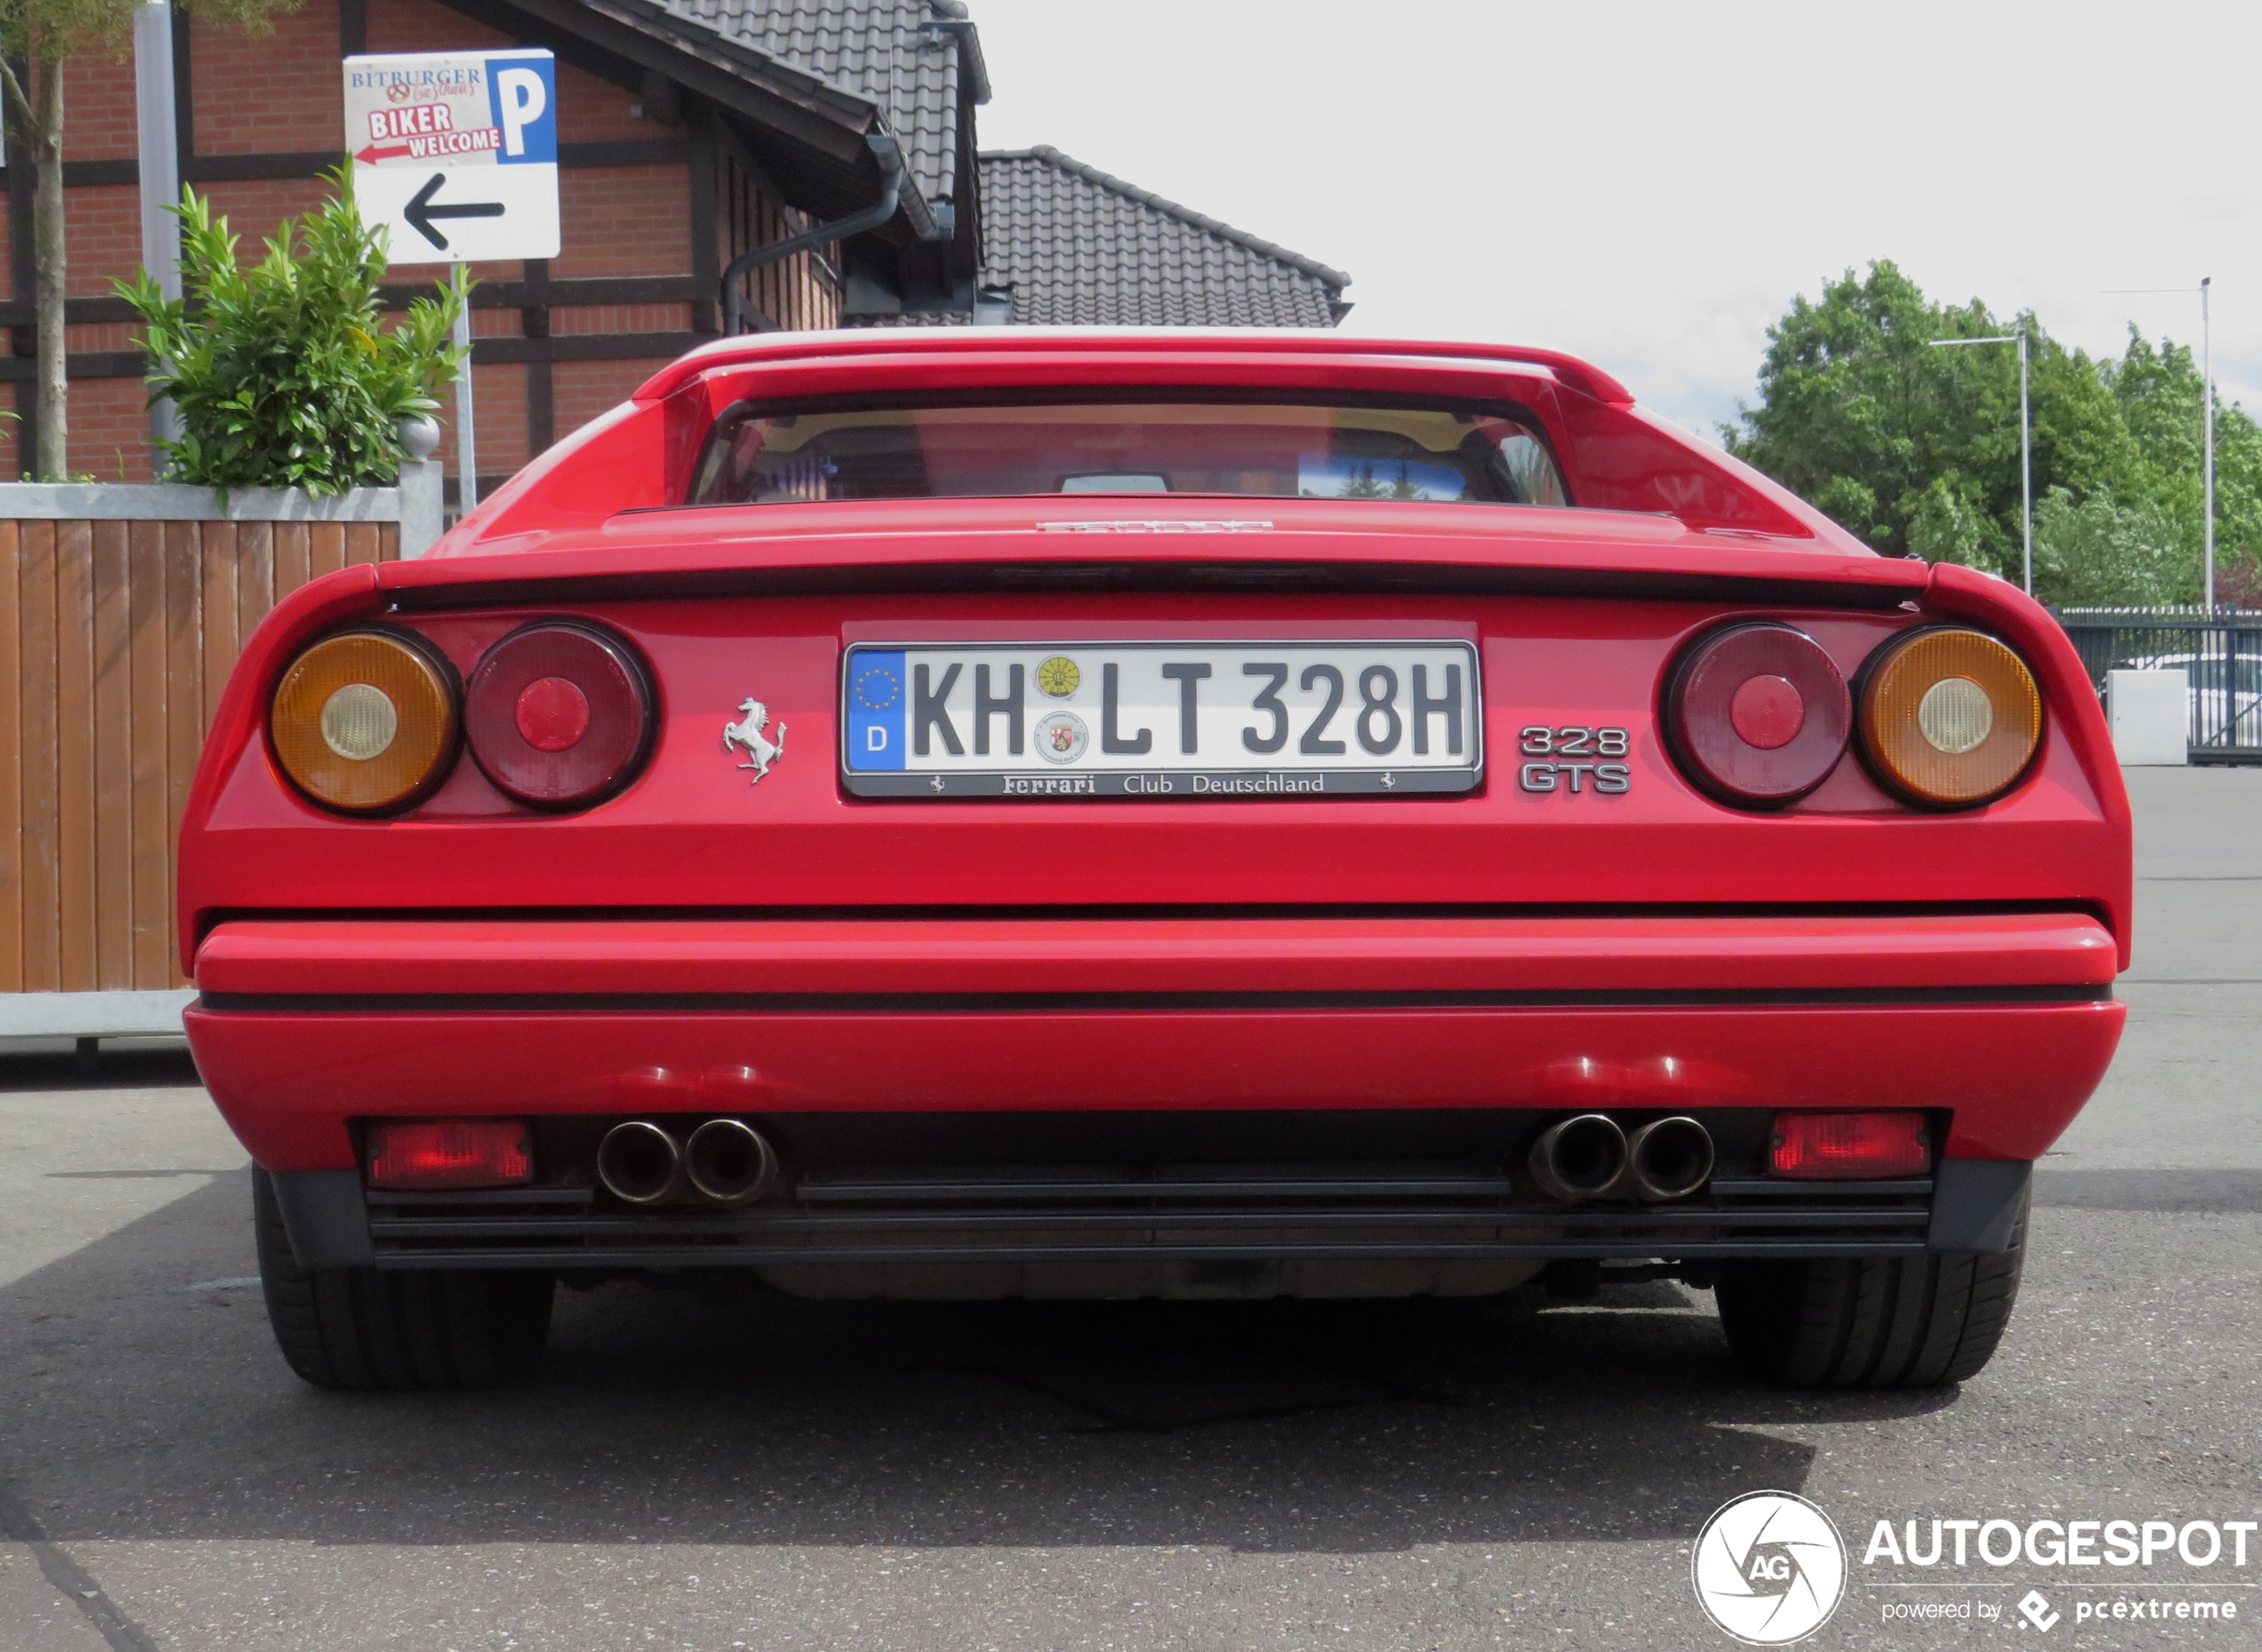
(1867, 1322)
(429, 1328)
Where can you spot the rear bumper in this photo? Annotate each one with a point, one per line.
(656, 958)
(2003, 1022)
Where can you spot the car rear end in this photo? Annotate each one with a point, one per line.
(1063, 885)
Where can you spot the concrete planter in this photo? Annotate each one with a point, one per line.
(414, 507)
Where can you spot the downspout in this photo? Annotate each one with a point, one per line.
(889, 156)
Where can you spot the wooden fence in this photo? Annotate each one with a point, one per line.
(116, 640)
(121, 614)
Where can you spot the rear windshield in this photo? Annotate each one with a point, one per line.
(759, 455)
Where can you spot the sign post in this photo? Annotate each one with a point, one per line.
(455, 153)
(160, 169)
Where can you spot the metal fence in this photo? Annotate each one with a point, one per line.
(2221, 654)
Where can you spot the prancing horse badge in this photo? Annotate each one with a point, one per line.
(747, 735)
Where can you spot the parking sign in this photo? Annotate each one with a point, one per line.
(456, 152)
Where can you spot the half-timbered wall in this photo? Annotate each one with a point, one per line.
(652, 209)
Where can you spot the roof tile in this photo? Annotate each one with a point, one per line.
(887, 52)
(1080, 248)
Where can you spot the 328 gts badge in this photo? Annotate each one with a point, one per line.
(1570, 750)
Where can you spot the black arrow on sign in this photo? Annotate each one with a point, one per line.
(419, 212)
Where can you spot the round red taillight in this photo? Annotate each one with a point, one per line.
(1758, 713)
(558, 714)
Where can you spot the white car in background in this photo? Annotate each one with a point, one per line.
(2225, 692)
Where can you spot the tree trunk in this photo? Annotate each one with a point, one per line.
(48, 273)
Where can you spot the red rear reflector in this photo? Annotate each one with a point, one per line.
(450, 1152)
(1767, 713)
(553, 714)
(1850, 1147)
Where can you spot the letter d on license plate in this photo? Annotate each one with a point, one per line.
(1161, 720)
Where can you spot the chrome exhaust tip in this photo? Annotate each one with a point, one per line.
(1669, 1158)
(1579, 1158)
(728, 1161)
(639, 1162)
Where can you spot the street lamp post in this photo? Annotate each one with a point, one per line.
(2207, 414)
(2026, 442)
(2207, 407)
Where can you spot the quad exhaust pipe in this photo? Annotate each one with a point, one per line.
(639, 1162)
(1669, 1158)
(1579, 1158)
(728, 1161)
(1590, 1155)
(724, 1161)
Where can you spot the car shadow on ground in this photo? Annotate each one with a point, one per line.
(140, 1064)
(148, 1403)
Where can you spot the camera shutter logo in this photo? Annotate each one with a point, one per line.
(1769, 1568)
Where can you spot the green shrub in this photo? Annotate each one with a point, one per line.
(281, 374)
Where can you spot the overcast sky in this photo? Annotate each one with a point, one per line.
(1647, 185)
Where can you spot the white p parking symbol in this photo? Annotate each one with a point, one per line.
(524, 99)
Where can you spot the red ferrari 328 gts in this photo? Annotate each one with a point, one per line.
(1105, 814)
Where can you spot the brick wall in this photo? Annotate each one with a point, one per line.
(101, 239)
(109, 431)
(98, 109)
(584, 389)
(498, 403)
(568, 320)
(499, 407)
(258, 93)
(624, 221)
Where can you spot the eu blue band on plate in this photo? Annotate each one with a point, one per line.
(878, 712)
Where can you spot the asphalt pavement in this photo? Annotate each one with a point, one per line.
(687, 1473)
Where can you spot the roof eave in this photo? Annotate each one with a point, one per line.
(810, 109)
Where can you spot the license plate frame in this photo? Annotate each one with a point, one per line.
(1257, 735)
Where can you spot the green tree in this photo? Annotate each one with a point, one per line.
(1917, 449)
(2097, 552)
(42, 35)
(1949, 522)
(1365, 485)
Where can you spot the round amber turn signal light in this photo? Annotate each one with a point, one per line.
(1949, 718)
(365, 720)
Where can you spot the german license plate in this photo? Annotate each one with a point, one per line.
(1160, 720)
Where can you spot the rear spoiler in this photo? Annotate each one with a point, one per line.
(1305, 545)
(761, 349)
